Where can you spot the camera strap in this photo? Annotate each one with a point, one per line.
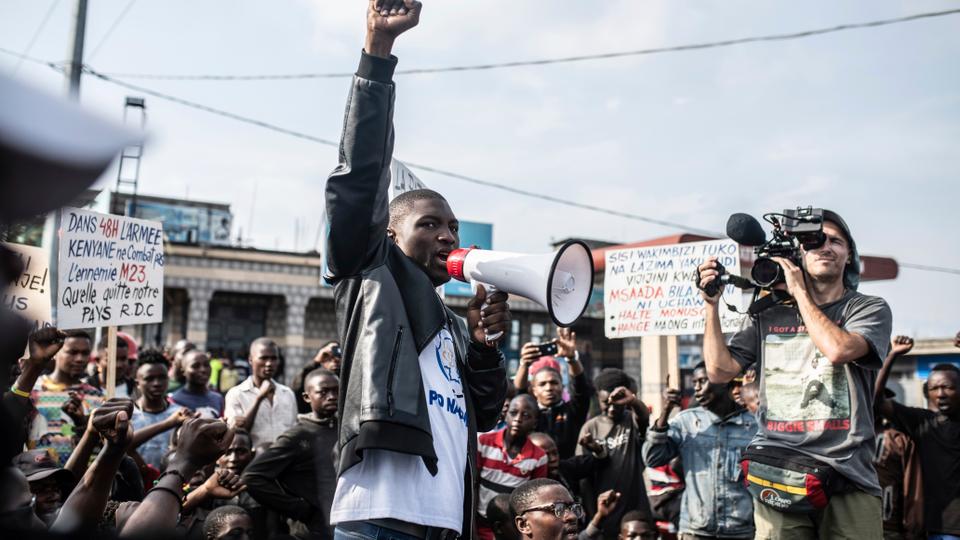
(765, 302)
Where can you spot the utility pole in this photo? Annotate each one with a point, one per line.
(51, 237)
(75, 68)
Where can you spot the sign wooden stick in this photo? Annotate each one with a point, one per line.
(111, 361)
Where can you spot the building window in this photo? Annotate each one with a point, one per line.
(537, 331)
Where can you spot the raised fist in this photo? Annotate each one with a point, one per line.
(112, 421)
(390, 18)
(44, 344)
(901, 345)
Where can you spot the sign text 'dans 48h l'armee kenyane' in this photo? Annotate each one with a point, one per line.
(110, 270)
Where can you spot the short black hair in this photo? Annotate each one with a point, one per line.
(263, 342)
(498, 509)
(634, 515)
(242, 432)
(526, 494)
(945, 367)
(218, 516)
(402, 204)
(700, 365)
(121, 343)
(611, 378)
(78, 334)
(540, 435)
(530, 401)
(319, 372)
(152, 356)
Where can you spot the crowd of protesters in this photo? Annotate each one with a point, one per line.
(792, 434)
(198, 464)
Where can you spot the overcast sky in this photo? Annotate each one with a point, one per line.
(865, 122)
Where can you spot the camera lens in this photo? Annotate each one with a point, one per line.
(765, 272)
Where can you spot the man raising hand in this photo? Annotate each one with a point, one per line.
(418, 381)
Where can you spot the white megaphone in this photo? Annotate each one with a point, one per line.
(561, 281)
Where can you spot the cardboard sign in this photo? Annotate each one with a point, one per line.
(650, 291)
(110, 270)
(29, 295)
(402, 179)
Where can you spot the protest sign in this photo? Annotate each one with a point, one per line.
(650, 291)
(402, 179)
(110, 270)
(29, 295)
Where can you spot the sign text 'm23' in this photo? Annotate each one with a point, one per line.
(110, 270)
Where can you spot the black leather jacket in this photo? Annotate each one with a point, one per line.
(387, 308)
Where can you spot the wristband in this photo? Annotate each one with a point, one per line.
(170, 491)
(19, 392)
(183, 480)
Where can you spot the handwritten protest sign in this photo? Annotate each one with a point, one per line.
(29, 295)
(650, 291)
(110, 270)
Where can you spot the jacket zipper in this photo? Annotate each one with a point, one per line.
(393, 369)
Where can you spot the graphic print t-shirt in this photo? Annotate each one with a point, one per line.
(394, 485)
(806, 402)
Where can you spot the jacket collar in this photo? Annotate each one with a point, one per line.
(425, 312)
(330, 422)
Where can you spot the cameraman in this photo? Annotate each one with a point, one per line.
(819, 357)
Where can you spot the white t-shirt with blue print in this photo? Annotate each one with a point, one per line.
(388, 484)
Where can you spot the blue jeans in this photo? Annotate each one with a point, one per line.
(943, 537)
(361, 530)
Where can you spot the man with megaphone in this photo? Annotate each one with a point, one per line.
(417, 381)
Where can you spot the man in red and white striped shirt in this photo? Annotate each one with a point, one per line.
(507, 458)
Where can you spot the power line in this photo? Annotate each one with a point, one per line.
(548, 61)
(31, 59)
(929, 268)
(449, 174)
(113, 26)
(199, 106)
(36, 34)
(427, 168)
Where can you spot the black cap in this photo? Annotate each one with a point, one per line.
(39, 464)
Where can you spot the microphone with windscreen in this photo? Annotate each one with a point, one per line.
(745, 230)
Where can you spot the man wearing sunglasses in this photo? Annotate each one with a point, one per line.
(545, 510)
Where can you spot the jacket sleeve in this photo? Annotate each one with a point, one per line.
(661, 446)
(580, 393)
(356, 194)
(262, 473)
(582, 466)
(488, 384)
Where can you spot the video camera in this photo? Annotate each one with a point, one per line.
(793, 231)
